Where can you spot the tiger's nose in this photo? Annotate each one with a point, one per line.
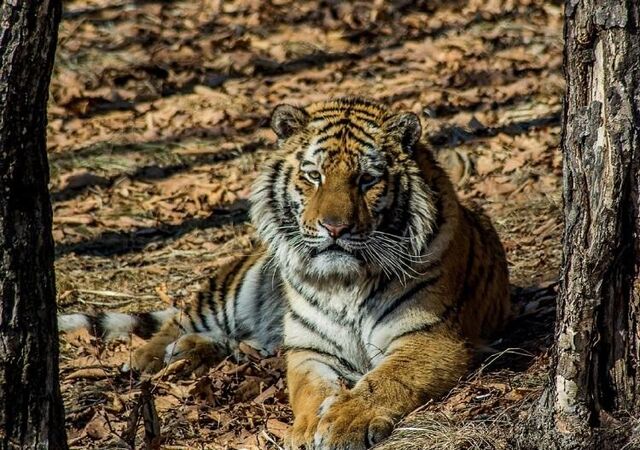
(335, 229)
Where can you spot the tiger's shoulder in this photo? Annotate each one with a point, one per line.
(474, 260)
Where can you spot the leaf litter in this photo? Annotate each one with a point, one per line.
(158, 123)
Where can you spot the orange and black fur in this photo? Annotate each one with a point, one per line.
(373, 276)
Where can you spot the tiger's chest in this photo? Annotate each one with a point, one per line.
(334, 324)
(355, 328)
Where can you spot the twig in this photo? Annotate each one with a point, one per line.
(270, 439)
(109, 304)
(105, 293)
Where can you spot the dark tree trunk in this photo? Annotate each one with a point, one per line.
(595, 375)
(31, 412)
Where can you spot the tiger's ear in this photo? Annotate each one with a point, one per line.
(286, 120)
(406, 128)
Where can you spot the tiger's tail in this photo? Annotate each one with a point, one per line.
(115, 325)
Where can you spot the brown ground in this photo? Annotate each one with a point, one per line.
(159, 119)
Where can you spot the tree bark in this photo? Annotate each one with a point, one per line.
(31, 411)
(595, 378)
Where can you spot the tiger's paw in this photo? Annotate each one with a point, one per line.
(195, 351)
(149, 358)
(301, 434)
(350, 422)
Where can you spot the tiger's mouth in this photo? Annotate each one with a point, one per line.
(334, 249)
(331, 248)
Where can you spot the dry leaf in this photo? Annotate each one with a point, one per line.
(89, 373)
(277, 428)
(97, 427)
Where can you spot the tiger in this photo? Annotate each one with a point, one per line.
(369, 273)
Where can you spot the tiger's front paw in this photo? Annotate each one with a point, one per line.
(301, 434)
(196, 351)
(350, 422)
(149, 358)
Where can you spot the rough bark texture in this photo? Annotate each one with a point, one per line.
(31, 413)
(595, 378)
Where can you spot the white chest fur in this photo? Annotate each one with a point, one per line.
(331, 321)
(355, 326)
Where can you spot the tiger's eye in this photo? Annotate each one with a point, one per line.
(366, 180)
(314, 175)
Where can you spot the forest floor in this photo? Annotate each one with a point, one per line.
(158, 121)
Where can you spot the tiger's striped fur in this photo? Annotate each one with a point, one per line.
(373, 275)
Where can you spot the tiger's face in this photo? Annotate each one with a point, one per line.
(340, 194)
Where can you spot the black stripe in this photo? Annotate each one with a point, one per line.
(343, 362)
(281, 201)
(372, 123)
(146, 325)
(176, 322)
(376, 289)
(277, 167)
(360, 141)
(287, 176)
(359, 127)
(262, 291)
(277, 208)
(406, 296)
(285, 201)
(440, 220)
(316, 360)
(343, 109)
(321, 140)
(388, 219)
(311, 327)
(331, 125)
(271, 180)
(211, 301)
(273, 176)
(314, 302)
(397, 223)
(376, 203)
(298, 189)
(192, 323)
(318, 150)
(423, 328)
(222, 292)
(346, 123)
(96, 326)
(239, 284)
(357, 114)
(199, 311)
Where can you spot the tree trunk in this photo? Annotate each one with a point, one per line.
(595, 377)
(31, 411)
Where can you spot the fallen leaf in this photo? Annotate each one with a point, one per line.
(89, 373)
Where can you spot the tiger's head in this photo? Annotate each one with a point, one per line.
(344, 195)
